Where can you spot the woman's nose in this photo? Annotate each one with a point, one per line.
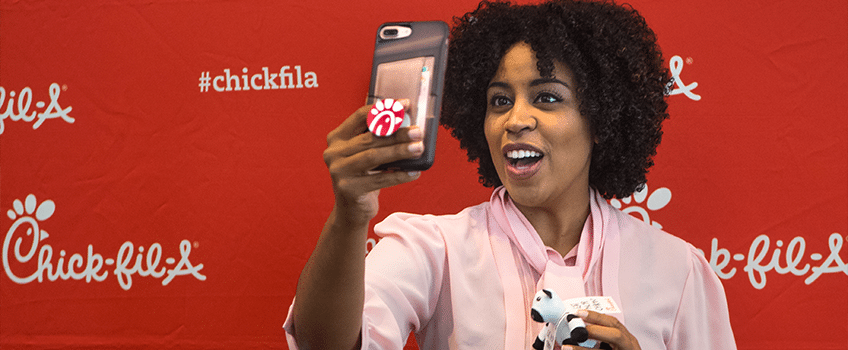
(520, 118)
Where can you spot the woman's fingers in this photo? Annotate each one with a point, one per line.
(356, 123)
(607, 329)
(373, 182)
(352, 152)
(351, 139)
(370, 158)
(367, 140)
(603, 327)
(352, 126)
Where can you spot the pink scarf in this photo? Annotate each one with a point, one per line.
(595, 272)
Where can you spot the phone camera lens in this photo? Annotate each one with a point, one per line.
(390, 32)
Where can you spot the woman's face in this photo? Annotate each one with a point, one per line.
(540, 144)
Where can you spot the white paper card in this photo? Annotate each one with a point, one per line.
(600, 304)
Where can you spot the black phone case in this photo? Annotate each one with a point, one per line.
(428, 39)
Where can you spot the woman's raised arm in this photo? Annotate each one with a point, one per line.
(328, 306)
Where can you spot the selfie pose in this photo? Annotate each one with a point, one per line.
(561, 104)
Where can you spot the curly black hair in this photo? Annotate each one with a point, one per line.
(620, 79)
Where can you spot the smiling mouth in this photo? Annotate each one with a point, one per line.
(523, 158)
(522, 161)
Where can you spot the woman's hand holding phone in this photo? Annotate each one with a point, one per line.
(409, 61)
(332, 284)
(351, 155)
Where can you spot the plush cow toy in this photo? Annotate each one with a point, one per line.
(549, 308)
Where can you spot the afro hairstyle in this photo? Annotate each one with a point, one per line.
(620, 79)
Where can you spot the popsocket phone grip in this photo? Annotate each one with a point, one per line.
(385, 117)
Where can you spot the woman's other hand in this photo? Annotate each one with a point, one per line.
(607, 329)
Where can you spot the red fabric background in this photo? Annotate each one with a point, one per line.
(151, 159)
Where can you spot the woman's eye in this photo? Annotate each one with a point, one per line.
(498, 101)
(548, 98)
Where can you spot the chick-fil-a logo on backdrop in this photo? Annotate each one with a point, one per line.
(655, 201)
(675, 66)
(758, 262)
(762, 257)
(23, 101)
(27, 217)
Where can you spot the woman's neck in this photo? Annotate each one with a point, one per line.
(559, 225)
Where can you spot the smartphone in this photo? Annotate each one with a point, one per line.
(409, 63)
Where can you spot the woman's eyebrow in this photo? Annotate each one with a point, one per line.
(497, 84)
(541, 81)
(534, 82)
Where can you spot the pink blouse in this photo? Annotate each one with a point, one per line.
(466, 281)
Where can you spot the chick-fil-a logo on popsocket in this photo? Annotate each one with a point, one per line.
(385, 117)
(27, 217)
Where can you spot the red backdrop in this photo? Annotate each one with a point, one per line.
(143, 207)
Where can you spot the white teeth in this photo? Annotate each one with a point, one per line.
(522, 154)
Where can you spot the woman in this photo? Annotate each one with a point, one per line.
(561, 104)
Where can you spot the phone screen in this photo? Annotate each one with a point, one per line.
(409, 79)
